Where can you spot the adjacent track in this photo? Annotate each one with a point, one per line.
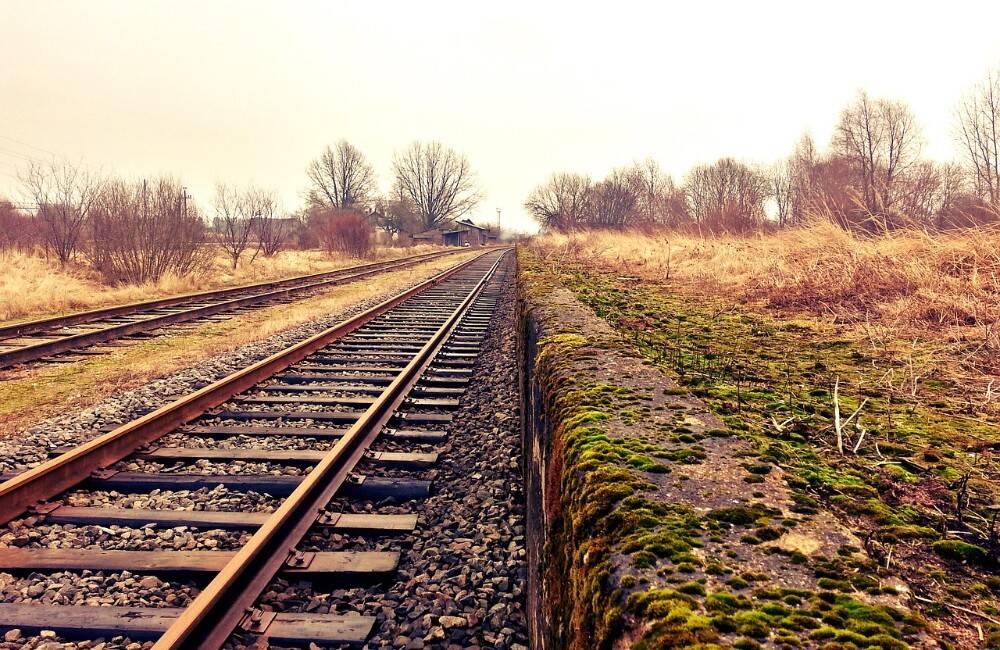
(388, 378)
(38, 339)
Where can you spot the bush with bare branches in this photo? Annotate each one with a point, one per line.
(18, 230)
(344, 231)
(141, 231)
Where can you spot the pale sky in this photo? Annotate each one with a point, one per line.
(251, 91)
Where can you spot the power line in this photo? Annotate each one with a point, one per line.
(21, 142)
(11, 152)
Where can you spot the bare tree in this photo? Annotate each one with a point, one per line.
(614, 202)
(802, 168)
(979, 134)
(782, 184)
(438, 181)
(64, 194)
(727, 195)
(658, 201)
(562, 203)
(233, 222)
(930, 196)
(264, 211)
(341, 178)
(881, 140)
(142, 230)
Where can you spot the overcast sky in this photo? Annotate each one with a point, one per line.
(250, 91)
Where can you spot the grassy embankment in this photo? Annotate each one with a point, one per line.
(28, 396)
(32, 286)
(778, 333)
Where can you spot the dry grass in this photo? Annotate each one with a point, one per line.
(931, 298)
(906, 277)
(32, 286)
(29, 396)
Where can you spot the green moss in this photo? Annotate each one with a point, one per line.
(742, 515)
(959, 551)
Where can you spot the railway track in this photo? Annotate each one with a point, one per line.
(45, 338)
(334, 434)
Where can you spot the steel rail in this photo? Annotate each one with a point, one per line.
(49, 479)
(217, 611)
(67, 343)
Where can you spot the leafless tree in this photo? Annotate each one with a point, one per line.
(803, 169)
(658, 199)
(562, 203)
(727, 195)
(979, 134)
(932, 195)
(233, 224)
(64, 194)
(437, 180)
(142, 230)
(613, 202)
(264, 210)
(782, 184)
(341, 178)
(881, 140)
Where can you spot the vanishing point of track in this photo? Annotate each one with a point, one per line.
(43, 338)
(391, 375)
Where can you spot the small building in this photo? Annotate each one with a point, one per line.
(458, 232)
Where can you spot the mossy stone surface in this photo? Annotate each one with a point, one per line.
(647, 505)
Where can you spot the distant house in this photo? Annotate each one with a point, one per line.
(458, 232)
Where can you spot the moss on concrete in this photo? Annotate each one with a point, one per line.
(654, 539)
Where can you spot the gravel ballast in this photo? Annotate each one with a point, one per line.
(461, 581)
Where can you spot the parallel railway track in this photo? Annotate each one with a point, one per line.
(43, 338)
(349, 415)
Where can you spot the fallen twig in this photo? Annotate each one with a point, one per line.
(838, 425)
(959, 608)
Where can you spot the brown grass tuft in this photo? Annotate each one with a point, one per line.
(910, 277)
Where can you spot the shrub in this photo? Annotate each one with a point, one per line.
(18, 230)
(142, 231)
(343, 231)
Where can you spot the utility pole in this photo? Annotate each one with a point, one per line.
(184, 200)
(498, 224)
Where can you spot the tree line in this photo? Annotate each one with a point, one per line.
(139, 230)
(431, 184)
(871, 178)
